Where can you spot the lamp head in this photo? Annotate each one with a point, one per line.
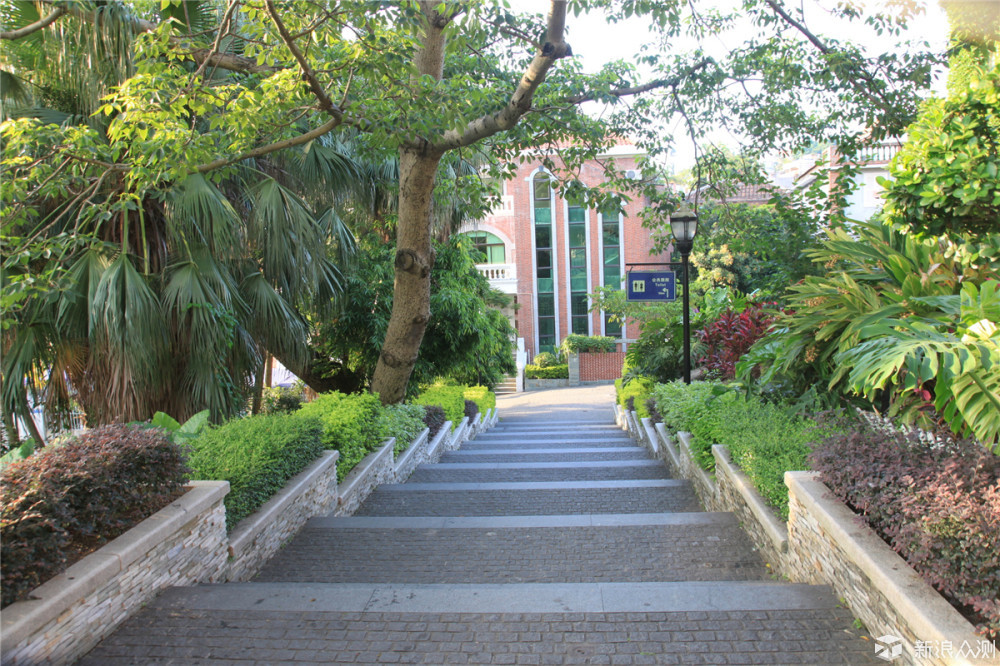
(684, 225)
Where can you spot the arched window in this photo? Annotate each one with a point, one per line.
(489, 244)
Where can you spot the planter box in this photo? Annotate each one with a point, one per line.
(312, 492)
(182, 544)
(826, 543)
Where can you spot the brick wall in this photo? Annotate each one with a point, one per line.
(601, 366)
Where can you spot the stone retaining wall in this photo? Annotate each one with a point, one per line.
(312, 492)
(826, 543)
(182, 544)
(186, 543)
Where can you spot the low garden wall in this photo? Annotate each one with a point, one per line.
(186, 543)
(537, 384)
(601, 367)
(824, 542)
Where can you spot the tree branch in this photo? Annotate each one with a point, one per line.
(780, 11)
(33, 27)
(328, 126)
(646, 87)
(324, 100)
(520, 102)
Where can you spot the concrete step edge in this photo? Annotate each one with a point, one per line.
(511, 598)
(569, 464)
(527, 522)
(533, 485)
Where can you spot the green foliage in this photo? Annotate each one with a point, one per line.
(257, 455)
(946, 177)
(350, 425)
(450, 398)
(482, 396)
(907, 324)
(19, 453)
(545, 360)
(549, 372)
(404, 422)
(279, 399)
(764, 439)
(88, 490)
(585, 343)
(467, 338)
(181, 434)
(634, 394)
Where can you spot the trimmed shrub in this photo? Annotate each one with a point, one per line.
(70, 498)
(471, 409)
(586, 343)
(257, 456)
(545, 360)
(634, 394)
(404, 422)
(482, 396)
(450, 398)
(551, 372)
(434, 419)
(350, 425)
(937, 505)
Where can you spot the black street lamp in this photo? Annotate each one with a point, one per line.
(684, 224)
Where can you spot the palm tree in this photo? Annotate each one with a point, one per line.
(171, 296)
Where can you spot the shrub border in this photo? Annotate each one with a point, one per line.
(824, 543)
(36, 630)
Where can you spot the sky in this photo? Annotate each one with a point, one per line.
(595, 41)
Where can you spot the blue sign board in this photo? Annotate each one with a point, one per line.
(651, 286)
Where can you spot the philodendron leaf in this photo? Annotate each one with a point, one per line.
(165, 421)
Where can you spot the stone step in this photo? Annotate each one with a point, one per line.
(540, 499)
(584, 520)
(547, 455)
(686, 597)
(559, 431)
(695, 550)
(557, 427)
(670, 623)
(480, 442)
(539, 471)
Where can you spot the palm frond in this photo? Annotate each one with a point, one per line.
(197, 213)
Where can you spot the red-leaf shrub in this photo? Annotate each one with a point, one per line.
(937, 505)
(730, 336)
(67, 498)
(434, 418)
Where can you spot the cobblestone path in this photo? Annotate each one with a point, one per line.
(551, 539)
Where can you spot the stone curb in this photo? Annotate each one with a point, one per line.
(775, 529)
(51, 599)
(928, 616)
(410, 458)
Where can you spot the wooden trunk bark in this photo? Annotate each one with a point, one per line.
(411, 301)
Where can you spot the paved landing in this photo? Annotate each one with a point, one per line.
(552, 539)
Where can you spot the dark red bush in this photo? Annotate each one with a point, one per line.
(71, 497)
(730, 336)
(937, 505)
(434, 418)
(471, 409)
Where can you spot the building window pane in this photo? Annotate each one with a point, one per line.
(542, 189)
(547, 326)
(543, 236)
(546, 305)
(544, 285)
(612, 278)
(577, 235)
(577, 215)
(612, 256)
(612, 328)
(581, 325)
(543, 215)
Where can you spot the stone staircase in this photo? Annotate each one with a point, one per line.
(539, 542)
(506, 386)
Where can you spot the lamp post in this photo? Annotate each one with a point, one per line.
(684, 225)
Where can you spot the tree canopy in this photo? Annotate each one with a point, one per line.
(215, 104)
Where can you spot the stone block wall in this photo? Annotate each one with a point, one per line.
(183, 544)
(375, 469)
(312, 492)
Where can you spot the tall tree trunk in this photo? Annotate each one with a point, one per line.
(258, 385)
(411, 300)
(10, 427)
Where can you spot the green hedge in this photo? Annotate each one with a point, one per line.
(551, 372)
(587, 343)
(404, 422)
(763, 439)
(449, 398)
(350, 425)
(257, 455)
(639, 389)
(483, 397)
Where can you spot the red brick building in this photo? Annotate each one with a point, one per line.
(550, 254)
